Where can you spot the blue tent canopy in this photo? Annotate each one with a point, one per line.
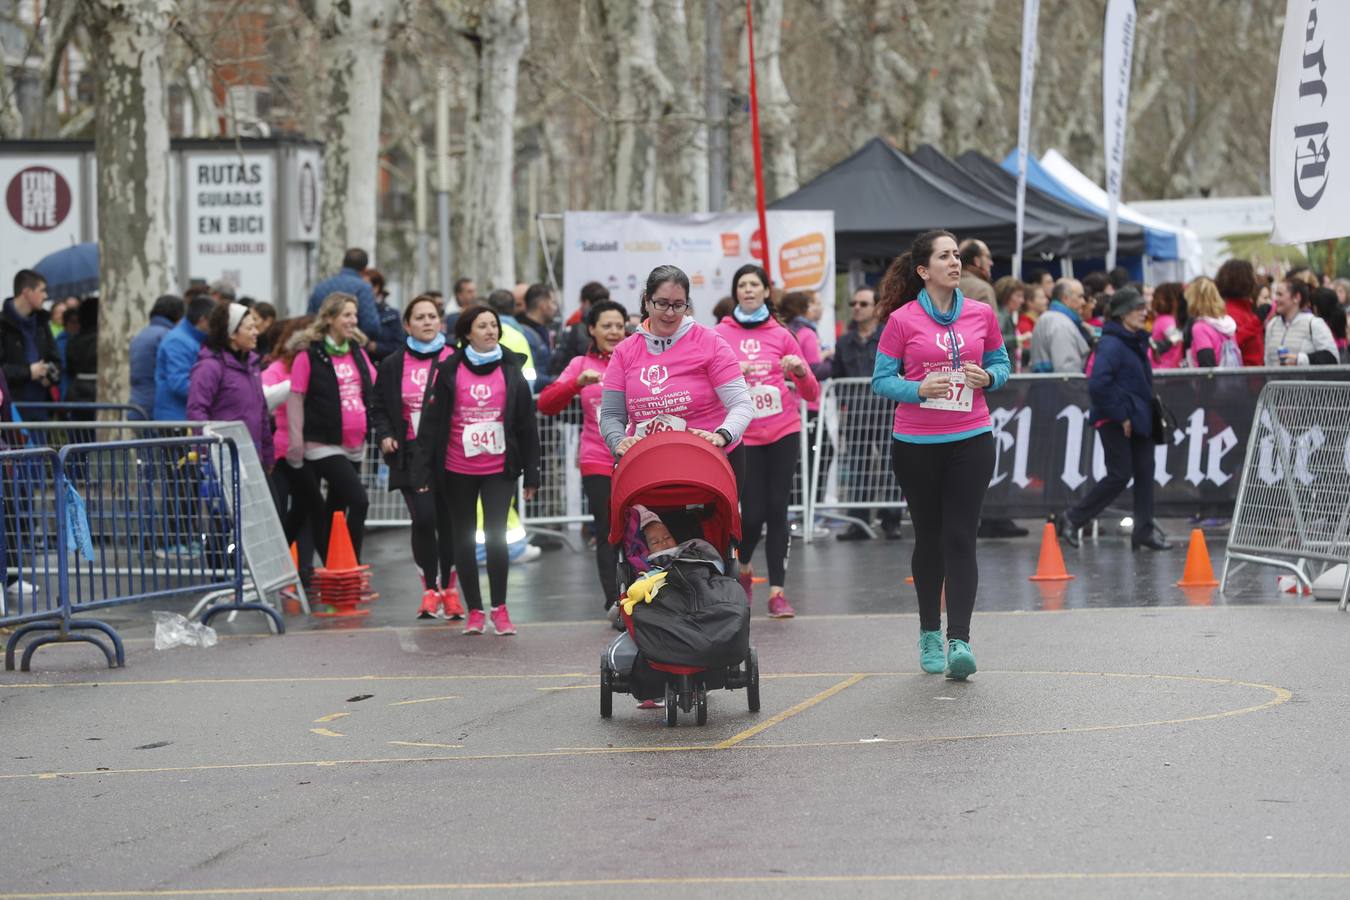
(1158, 244)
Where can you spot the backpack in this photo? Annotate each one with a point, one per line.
(1230, 357)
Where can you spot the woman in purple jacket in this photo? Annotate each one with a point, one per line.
(226, 381)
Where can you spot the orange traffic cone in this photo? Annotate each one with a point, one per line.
(343, 584)
(1050, 567)
(295, 555)
(1199, 573)
(341, 555)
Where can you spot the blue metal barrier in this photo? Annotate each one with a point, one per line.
(133, 521)
(77, 411)
(29, 543)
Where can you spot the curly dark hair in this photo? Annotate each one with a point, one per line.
(902, 283)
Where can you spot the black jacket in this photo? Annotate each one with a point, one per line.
(14, 358)
(522, 431)
(386, 415)
(323, 406)
(853, 357)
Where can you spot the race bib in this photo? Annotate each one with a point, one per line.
(416, 422)
(663, 422)
(958, 398)
(767, 401)
(484, 439)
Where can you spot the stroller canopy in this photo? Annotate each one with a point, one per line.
(676, 469)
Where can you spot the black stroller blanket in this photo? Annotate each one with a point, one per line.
(699, 618)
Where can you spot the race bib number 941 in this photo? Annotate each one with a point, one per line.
(484, 439)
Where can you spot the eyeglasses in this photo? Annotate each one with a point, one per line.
(663, 305)
(860, 303)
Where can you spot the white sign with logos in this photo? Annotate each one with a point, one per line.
(230, 203)
(42, 210)
(619, 249)
(304, 185)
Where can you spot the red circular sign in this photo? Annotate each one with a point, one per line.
(38, 198)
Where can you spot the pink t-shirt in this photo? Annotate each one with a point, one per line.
(1171, 359)
(675, 390)
(923, 346)
(416, 372)
(809, 342)
(478, 424)
(594, 456)
(773, 396)
(349, 390)
(276, 373)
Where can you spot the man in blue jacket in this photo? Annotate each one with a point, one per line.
(144, 352)
(174, 358)
(349, 281)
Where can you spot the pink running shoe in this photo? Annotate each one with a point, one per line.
(501, 622)
(431, 602)
(747, 580)
(477, 622)
(451, 608)
(780, 608)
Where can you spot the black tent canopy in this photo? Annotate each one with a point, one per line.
(1087, 231)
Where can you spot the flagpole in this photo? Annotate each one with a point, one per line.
(754, 137)
(1030, 16)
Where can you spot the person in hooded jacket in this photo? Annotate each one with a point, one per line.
(1213, 333)
(396, 416)
(164, 315)
(478, 435)
(225, 384)
(1121, 390)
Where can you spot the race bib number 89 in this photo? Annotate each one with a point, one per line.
(484, 439)
(767, 401)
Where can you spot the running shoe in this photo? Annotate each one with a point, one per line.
(431, 602)
(501, 622)
(476, 623)
(932, 659)
(652, 704)
(960, 661)
(451, 608)
(747, 581)
(780, 608)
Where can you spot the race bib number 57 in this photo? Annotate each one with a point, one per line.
(958, 397)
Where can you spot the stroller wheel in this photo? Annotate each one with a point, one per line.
(606, 692)
(701, 704)
(672, 708)
(752, 680)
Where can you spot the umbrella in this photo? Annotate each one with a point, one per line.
(71, 271)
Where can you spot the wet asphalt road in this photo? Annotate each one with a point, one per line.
(1122, 739)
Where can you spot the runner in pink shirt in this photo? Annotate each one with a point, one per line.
(581, 380)
(395, 417)
(331, 389)
(778, 378)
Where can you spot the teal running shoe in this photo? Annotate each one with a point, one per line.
(960, 661)
(931, 657)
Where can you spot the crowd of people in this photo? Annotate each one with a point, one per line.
(449, 394)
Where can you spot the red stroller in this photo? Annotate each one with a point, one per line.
(689, 483)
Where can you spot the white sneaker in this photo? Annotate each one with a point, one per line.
(529, 554)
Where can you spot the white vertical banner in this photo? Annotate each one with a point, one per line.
(1117, 60)
(1312, 90)
(1031, 11)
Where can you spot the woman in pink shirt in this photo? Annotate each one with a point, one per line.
(581, 380)
(478, 436)
(1169, 318)
(331, 389)
(778, 378)
(395, 417)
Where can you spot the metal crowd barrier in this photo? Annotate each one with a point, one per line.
(850, 473)
(99, 525)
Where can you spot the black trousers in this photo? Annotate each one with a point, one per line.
(1126, 458)
(945, 486)
(765, 490)
(285, 495)
(345, 494)
(433, 546)
(462, 493)
(597, 488)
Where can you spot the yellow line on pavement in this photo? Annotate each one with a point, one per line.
(331, 717)
(423, 700)
(789, 713)
(299, 679)
(324, 732)
(691, 881)
(423, 744)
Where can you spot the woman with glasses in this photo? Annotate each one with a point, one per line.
(778, 377)
(674, 375)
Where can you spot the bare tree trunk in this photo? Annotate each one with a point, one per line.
(11, 122)
(688, 179)
(777, 115)
(640, 89)
(132, 147)
(353, 36)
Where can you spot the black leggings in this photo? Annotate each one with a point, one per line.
(462, 493)
(286, 496)
(764, 491)
(346, 494)
(433, 546)
(945, 485)
(597, 489)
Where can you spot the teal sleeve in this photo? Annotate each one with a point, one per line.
(996, 363)
(887, 381)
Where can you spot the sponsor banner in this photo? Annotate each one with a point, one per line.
(42, 209)
(230, 203)
(1312, 98)
(1048, 456)
(1117, 61)
(620, 249)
